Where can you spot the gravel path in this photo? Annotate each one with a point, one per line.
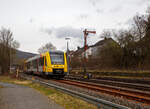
(21, 97)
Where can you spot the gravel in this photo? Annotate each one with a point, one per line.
(21, 97)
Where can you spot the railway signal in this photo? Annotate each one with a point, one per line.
(86, 32)
(68, 52)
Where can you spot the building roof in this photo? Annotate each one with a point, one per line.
(102, 42)
(79, 51)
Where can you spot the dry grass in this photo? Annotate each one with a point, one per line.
(22, 82)
(70, 102)
(67, 101)
(129, 74)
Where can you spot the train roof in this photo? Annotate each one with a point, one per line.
(42, 54)
(32, 58)
(56, 51)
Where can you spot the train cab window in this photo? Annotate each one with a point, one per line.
(57, 58)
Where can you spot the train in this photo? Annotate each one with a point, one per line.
(48, 64)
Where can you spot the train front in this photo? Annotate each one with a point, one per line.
(58, 63)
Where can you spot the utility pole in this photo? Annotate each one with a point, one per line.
(67, 52)
(85, 46)
(10, 58)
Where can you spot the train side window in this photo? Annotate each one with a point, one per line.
(28, 65)
(34, 63)
(41, 61)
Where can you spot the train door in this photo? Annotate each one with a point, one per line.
(41, 64)
(37, 64)
(44, 64)
(29, 67)
(34, 63)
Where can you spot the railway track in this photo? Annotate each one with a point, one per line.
(137, 86)
(100, 103)
(140, 96)
(134, 80)
(131, 94)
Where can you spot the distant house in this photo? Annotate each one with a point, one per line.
(93, 50)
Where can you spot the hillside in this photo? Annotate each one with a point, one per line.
(24, 55)
(21, 56)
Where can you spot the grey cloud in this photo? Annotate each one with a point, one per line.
(83, 16)
(68, 32)
(63, 32)
(139, 2)
(47, 30)
(99, 11)
(31, 20)
(120, 23)
(94, 2)
(116, 9)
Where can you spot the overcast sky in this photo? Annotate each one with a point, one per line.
(36, 22)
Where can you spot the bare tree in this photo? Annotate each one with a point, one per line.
(47, 47)
(138, 26)
(7, 48)
(106, 34)
(15, 44)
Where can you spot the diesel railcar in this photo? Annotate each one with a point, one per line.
(50, 63)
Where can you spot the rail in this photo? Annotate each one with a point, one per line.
(100, 103)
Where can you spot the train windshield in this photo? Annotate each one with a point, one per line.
(57, 58)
